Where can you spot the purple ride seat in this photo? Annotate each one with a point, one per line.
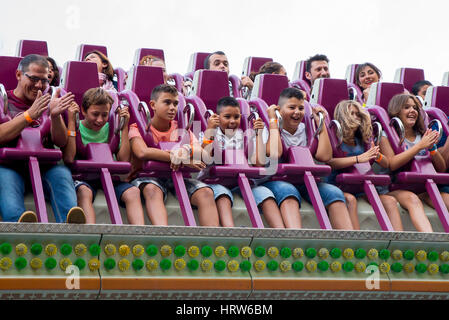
(300, 74)
(408, 77)
(419, 174)
(26, 47)
(140, 85)
(297, 164)
(208, 88)
(8, 67)
(95, 159)
(350, 77)
(359, 177)
(84, 49)
(253, 64)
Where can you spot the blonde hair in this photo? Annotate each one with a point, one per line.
(349, 126)
(398, 102)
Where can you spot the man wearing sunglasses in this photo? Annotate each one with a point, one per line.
(26, 104)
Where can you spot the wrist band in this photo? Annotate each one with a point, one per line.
(274, 120)
(27, 117)
(207, 141)
(433, 148)
(71, 133)
(432, 152)
(356, 159)
(378, 160)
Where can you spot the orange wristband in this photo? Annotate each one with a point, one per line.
(433, 152)
(207, 141)
(27, 117)
(378, 160)
(71, 133)
(274, 120)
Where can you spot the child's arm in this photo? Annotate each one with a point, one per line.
(274, 136)
(142, 152)
(444, 151)
(372, 153)
(69, 150)
(124, 154)
(324, 151)
(212, 124)
(259, 157)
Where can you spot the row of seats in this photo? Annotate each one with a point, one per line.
(211, 86)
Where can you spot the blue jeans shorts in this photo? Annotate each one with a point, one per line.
(119, 188)
(260, 193)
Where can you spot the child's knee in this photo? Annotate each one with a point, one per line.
(151, 191)
(389, 200)
(350, 198)
(131, 194)
(204, 194)
(84, 193)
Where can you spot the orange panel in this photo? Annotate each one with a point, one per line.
(317, 285)
(45, 284)
(431, 286)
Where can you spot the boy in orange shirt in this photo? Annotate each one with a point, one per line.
(164, 102)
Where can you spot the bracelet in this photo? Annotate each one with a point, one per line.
(27, 117)
(207, 141)
(432, 152)
(378, 160)
(434, 147)
(356, 159)
(188, 148)
(274, 120)
(71, 133)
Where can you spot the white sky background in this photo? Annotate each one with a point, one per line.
(388, 33)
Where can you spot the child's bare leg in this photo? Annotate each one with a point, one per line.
(290, 213)
(272, 214)
(339, 216)
(134, 210)
(154, 203)
(224, 208)
(85, 197)
(391, 207)
(411, 202)
(207, 209)
(351, 203)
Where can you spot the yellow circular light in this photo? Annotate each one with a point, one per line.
(110, 249)
(348, 253)
(335, 266)
(433, 268)
(311, 265)
(180, 264)
(5, 263)
(233, 265)
(51, 249)
(36, 263)
(273, 252)
(360, 267)
(421, 255)
(152, 265)
(285, 266)
(384, 267)
(298, 253)
(246, 252)
(166, 250)
(21, 249)
(444, 256)
(396, 254)
(124, 250)
(409, 267)
(80, 249)
(94, 264)
(64, 263)
(373, 254)
(207, 265)
(323, 253)
(193, 251)
(138, 250)
(259, 265)
(123, 265)
(220, 251)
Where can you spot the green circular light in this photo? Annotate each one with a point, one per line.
(384, 254)
(5, 248)
(421, 268)
(36, 249)
(94, 249)
(273, 265)
(206, 251)
(432, 256)
(245, 265)
(138, 264)
(151, 250)
(66, 249)
(259, 252)
(409, 255)
(323, 265)
(444, 268)
(193, 265)
(233, 251)
(165, 264)
(396, 267)
(298, 266)
(360, 253)
(109, 264)
(286, 252)
(348, 266)
(80, 263)
(180, 251)
(335, 253)
(50, 263)
(311, 253)
(220, 265)
(20, 263)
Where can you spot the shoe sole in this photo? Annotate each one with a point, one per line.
(76, 216)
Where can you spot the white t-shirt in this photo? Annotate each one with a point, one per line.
(298, 139)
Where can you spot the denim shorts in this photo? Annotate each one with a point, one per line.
(166, 184)
(443, 188)
(260, 193)
(119, 188)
